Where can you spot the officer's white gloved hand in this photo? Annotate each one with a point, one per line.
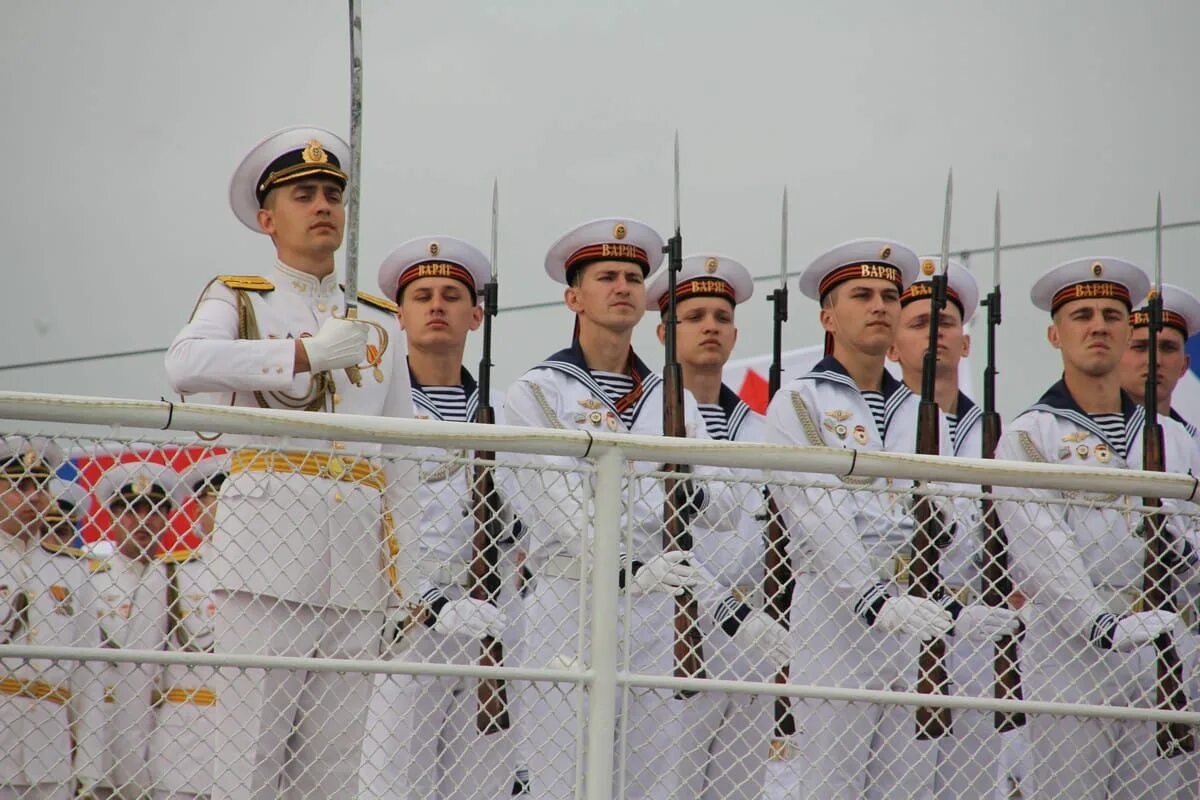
(762, 637)
(666, 573)
(923, 619)
(340, 343)
(1134, 630)
(983, 623)
(471, 618)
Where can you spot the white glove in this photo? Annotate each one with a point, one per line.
(983, 623)
(1134, 630)
(761, 636)
(471, 618)
(665, 573)
(340, 343)
(920, 618)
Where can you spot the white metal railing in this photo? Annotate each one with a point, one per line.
(603, 678)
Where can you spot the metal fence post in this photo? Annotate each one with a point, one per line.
(602, 703)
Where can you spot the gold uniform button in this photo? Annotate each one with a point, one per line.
(320, 306)
(339, 445)
(337, 398)
(338, 497)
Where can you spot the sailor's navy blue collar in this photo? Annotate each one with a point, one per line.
(969, 415)
(571, 362)
(1191, 429)
(736, 410)
(1058, 401)
(894, 392)
(422, 400)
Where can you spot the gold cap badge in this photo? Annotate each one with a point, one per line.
(927, 267)
(885, 252)
(30, 459)
(434, 249)
(710, 266)
(141, 484)
(619, 231)
(314, 153)
(1097, 269)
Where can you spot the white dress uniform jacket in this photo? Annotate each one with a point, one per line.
(182, 751)
(46, 600)
(307, 538)
(1081, 568)
(561, 393)
(421, 737)
(132, 615)
(847, 540)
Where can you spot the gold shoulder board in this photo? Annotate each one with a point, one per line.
(178, 556)
(378, 302)
(99, 566)
(62, 550)
(249, 283)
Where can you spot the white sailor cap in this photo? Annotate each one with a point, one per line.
(961, 288)
(29, 457)
(206, 475)
(608, 239)
(71, 499)
(283, 157)
(883, 259)
(1180, 310)
(703, 275)
(131, 481)
(1087, 279)
(434, 257)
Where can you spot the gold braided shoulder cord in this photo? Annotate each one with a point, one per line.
(551, 417)
(811, 431)
(320, 385)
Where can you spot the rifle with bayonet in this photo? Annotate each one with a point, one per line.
(997, 583)
(687, 653)
(778, 582)
(1172, 738)
(924, 581)
(492, 714)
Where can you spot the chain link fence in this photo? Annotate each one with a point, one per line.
(290, 606)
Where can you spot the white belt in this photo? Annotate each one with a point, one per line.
(563, 566)
(447, 573)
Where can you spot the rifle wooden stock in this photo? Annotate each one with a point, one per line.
(687, 650)
(1158, 593)
(778, 584)
(997, 586)
(923, 582)
(492, 714)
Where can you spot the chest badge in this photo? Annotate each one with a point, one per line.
(1082, 451)
(860, 434)
(1103, 454)
(590, 403)
(836, 428)
(611, 420)
(1077, 436)
(595, 418)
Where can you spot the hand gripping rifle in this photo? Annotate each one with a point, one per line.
(997, 584)
(924, 582)
(492, 715)
(777, 578)
(687, 651)
(1173, 738)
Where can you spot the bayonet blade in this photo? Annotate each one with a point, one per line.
(1158, 228)
(996, 244)
(495, 226)
(946, 220)
(676, 182)
(783, 253)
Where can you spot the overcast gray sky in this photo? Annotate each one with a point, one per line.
(124, 121)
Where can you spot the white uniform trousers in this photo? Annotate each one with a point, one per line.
(1189, 652)
(969, 757)
(855, 750)
(285, 733)
(739, 730)
(422, 741)
(660, 757)
(39, 791)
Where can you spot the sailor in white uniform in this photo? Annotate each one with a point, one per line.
(600, 384)
(729, 747)
(313, 544)
(852, 622)
(1080, 566)
(50, 711)
(422, 739)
